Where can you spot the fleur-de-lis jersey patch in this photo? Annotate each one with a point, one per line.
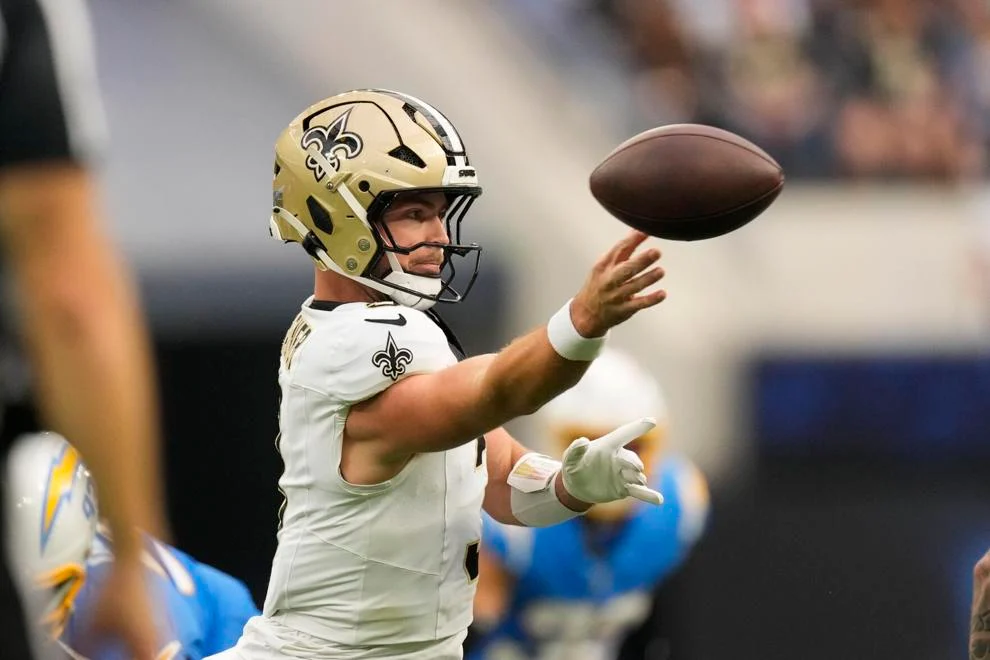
(392, 360)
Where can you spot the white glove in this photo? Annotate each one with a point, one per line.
(603, 470)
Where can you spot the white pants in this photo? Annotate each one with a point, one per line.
(268, 639)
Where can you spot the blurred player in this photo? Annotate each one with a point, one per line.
(67, 558)
(391, 446)
(80, 322)
(575, 590)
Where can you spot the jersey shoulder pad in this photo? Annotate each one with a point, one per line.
(358, 350)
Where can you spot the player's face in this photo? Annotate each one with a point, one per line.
(415, 218)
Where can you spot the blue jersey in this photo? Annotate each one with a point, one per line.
(200, 610)
(579, 587)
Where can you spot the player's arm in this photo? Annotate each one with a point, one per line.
(503, 453)
(444, 409)
(84, 333)
(82, 328)
(526, 488)
(979, 629)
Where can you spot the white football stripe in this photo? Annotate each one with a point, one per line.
(455, 139)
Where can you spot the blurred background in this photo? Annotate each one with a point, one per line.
(826, 366)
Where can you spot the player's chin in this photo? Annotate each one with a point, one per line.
(425, 270)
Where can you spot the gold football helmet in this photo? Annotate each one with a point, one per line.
(341, 163)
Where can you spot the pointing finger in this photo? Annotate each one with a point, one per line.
(626, 433)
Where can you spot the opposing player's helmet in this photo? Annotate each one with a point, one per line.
(341, 163)
(615, 390)
(51, 521)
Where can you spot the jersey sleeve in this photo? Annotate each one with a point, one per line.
(373, 347)
(50, 107)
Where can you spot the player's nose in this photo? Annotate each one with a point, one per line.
(438, 231)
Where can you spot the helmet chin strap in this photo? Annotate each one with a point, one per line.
(429, 286)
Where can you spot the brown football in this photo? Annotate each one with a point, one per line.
(686, 182)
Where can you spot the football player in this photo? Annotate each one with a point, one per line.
(574, 591)
(391, 445)
(67, 557)
(79, 318)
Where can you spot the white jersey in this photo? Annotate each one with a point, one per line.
(393, 563)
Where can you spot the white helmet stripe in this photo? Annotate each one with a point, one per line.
(432, 115)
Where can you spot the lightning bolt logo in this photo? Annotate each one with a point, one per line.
(58, 489)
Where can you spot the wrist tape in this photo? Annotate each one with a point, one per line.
(534, 494)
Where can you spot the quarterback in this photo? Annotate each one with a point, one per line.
(391, 444)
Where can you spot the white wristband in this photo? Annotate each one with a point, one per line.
(568, 342)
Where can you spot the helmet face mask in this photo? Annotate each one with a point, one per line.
(383, 266)
(341, 164)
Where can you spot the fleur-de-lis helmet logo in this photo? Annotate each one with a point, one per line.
(392, 360)
(333, 141)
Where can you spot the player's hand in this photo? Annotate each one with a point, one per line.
(124, 611)
(603, 470)
(609, 295)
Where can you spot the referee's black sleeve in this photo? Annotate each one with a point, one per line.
(50, 107)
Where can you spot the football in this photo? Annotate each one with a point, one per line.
(686, 182)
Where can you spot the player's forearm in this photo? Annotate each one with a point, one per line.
(94, 380)
(472, 397)
(527, 374)
(91, 358)
(483, 393)
(503, 453)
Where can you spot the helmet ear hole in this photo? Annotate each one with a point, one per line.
(321, 217)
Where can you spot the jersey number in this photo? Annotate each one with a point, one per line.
(471, 560)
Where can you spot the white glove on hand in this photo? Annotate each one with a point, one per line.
(603, 470)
